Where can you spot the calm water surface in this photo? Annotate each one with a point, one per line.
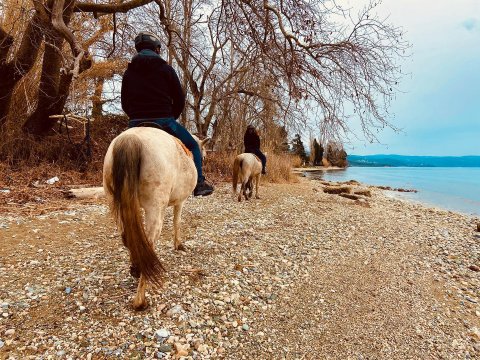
(456, 189)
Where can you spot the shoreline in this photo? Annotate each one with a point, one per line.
(270, 278)
(400, 194)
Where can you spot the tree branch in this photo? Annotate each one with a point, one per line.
(109, 8)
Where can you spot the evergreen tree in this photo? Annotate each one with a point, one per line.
(298, 148)
(283, 135)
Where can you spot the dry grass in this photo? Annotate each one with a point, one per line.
(26, 163)
(219, 166)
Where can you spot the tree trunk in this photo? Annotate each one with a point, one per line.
(54, 85)
(97, 101)
(11, 72)
(38, 122)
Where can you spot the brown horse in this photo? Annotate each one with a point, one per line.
(247, 169)
(146, 168)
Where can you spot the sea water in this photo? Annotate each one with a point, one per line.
(455, 189)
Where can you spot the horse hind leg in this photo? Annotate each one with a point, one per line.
(139, 302)
(177, 217)
(134, 271)
(250, 187)
(154, 214)
(245, 189)
(242, 190)
(257, 180)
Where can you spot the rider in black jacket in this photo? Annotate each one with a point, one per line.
(151, 92)
(251, 141)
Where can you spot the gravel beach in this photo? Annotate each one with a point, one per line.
(297, 274)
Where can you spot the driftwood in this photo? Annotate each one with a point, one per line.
(350, 196)
(85, 193)
(337, 189)
(364, 192)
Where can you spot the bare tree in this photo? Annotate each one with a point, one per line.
(270, 62)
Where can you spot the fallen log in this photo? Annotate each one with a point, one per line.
(337, 189)
(85, 193)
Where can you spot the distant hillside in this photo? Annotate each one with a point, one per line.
(414, 161)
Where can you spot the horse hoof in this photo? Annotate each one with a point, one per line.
(181, 247)
(134, 272)
(141, 306)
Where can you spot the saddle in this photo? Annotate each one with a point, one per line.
(168, 131)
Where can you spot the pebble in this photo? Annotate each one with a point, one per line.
(177, 309)
(210, 313)
(474, 268)
(9, 332)
(165, 348)
(161, 334)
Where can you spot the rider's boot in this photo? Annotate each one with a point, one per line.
(203, 188)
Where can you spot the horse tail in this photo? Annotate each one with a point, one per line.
(127, 162)
(237, 166)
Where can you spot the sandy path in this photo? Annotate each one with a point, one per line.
(296, 274)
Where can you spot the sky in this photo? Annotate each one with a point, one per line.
(438, 108)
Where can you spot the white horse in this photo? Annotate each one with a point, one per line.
(247, 168)
(147, 168)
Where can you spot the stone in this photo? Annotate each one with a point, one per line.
(9, 332)
(161, 334)
(181, 349)
(165, 348)
(475, 333)
(474, 268)
(202, 348)
(177, 309)
(245, 327)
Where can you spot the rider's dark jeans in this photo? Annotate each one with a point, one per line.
(182, 134)
(260, 155)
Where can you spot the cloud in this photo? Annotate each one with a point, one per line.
(470, 24)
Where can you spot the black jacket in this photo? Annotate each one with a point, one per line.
(151, 89)
(251, 141)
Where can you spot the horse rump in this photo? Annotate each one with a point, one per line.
(124, 187)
